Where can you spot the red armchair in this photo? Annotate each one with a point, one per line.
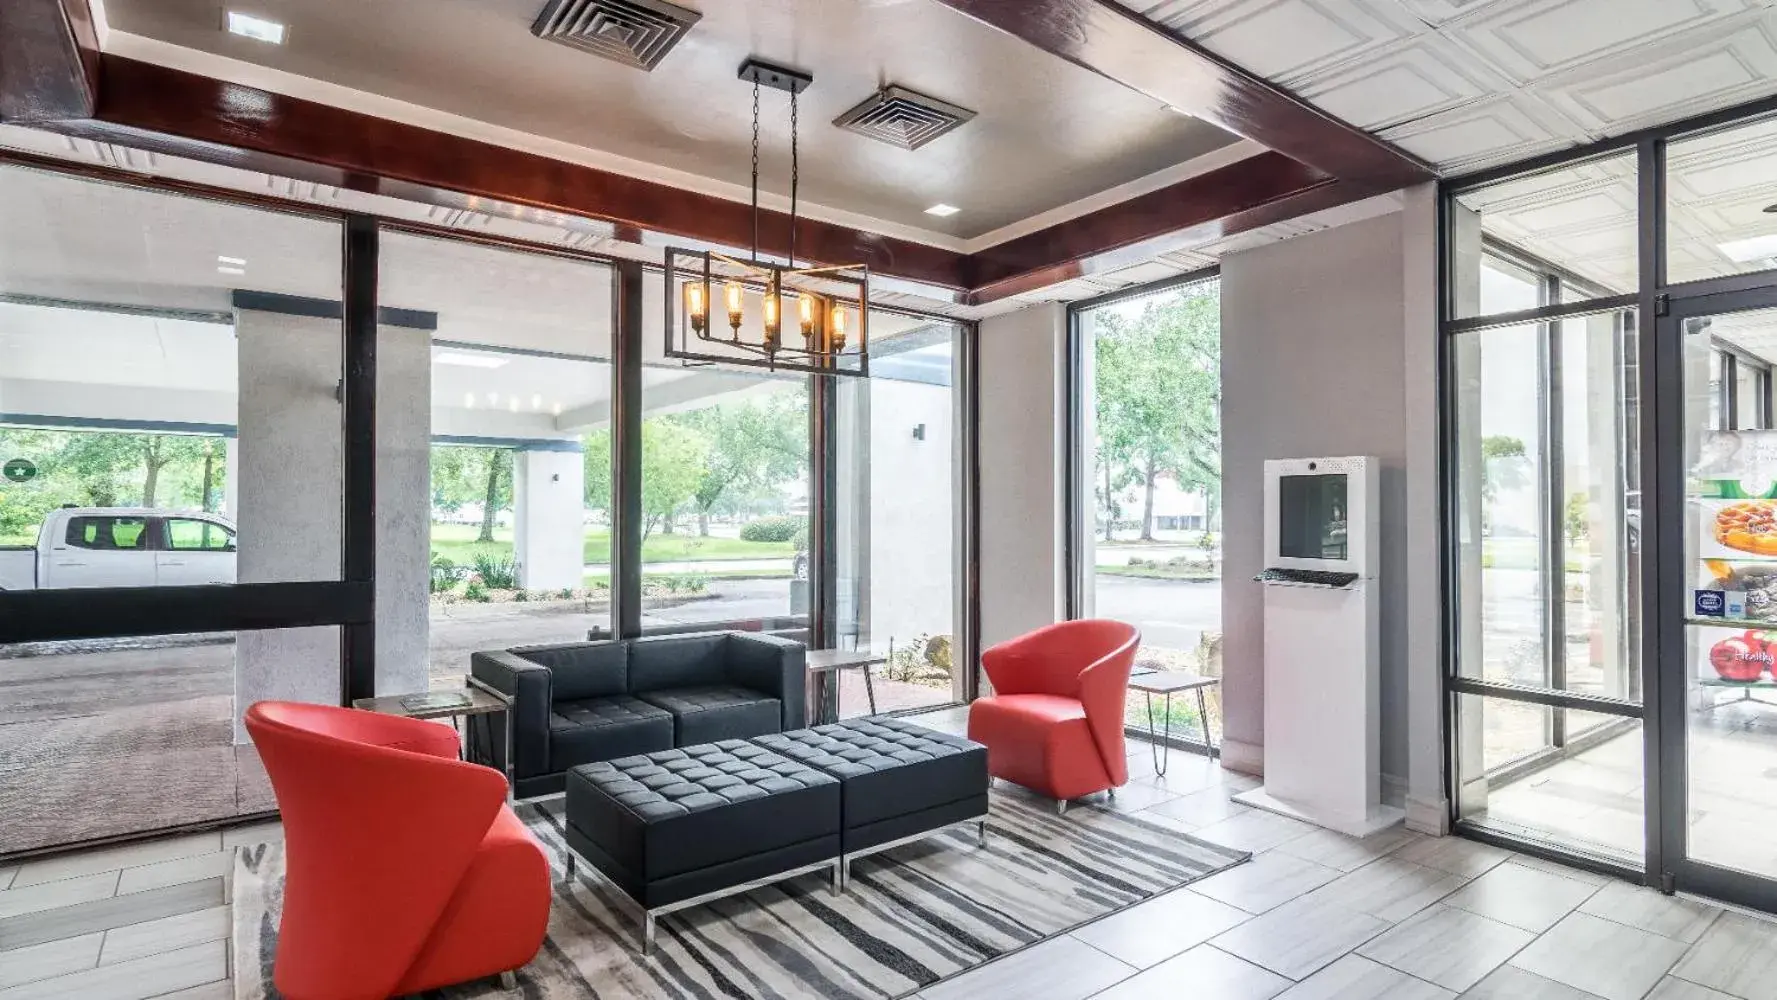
(406, 871)
(1055, 721)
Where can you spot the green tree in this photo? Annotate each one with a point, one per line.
(462, 476)
(754, 445)
(1159, 398)
(673, 462)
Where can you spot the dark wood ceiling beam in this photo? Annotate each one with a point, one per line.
(1177, 212)
(182, 114)
(49, 61)
(1115, 42)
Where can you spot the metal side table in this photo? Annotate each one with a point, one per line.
(1166, 684)
(483, 700)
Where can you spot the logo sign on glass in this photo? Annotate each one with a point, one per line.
(19, 470)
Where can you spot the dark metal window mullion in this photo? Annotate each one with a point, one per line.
(358, 538)
(1551, 450)
(626, 449)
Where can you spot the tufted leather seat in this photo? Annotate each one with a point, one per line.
(679, 823)
(711, 712)
(897, 778)
(602, 728)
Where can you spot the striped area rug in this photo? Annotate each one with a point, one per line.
(912, 916)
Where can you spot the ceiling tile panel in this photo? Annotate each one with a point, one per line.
(1530, 39)
(1498, 130)
(1702, 71)
(1420, 76)
(1284, 39)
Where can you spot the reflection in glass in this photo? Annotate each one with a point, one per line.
(1562, 777)
(1718, 187)
(1575, 223)
(1731, 547)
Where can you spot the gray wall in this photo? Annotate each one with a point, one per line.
(1313, 363)
(1021, 471)
(403, 507)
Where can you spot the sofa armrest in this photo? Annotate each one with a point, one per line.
(773, 666)
(529, 687)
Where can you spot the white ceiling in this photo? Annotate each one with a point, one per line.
(1467, 84)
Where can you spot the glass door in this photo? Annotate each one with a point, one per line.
(1718, 667)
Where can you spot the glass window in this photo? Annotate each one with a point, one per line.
(1562, 777)
(106, 532)
(1719, 196)
(725, 489)
(1750, 382)
(1574, 223)
(162, 358)
(896, 509)
(183, 533)
(501, 465)
(1151, 538)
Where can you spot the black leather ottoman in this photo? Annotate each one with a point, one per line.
(898, 781)
(680, 827)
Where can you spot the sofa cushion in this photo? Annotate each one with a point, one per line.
(583, 669)
(680, 810)
(707, 713)
(677, 661)
(888, 767)
(594, 729)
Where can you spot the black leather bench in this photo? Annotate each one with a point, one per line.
(899, 781)
(682, 827)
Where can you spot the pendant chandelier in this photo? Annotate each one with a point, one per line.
(722, 308)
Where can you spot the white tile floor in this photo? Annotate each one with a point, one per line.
(1314, 916)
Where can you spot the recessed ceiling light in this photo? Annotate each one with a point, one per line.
(225, 269)
(1747, 251)
(470, 360)
(257, 28)
(942, 210)
(231, 261)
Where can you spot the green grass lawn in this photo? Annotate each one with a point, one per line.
(1161, 572)
(457, 543)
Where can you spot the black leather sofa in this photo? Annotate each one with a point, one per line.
(591, 701)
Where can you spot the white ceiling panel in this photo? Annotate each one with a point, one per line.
(1418, 77)
(1468, 84)
(1530, 39)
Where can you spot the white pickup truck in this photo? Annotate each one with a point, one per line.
(122, 547)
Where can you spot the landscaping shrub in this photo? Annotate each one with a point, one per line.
(777, 528)
(444, 574)
(497, 572)
(476, 592)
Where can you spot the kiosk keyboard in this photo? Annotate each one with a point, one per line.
(1312, 577)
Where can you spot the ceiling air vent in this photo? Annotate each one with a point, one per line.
(902, 117)
(636, 33)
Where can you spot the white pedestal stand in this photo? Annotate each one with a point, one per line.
(1322, 717)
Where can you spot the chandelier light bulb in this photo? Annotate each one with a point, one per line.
(806, 311)
(536, 401)
(512, 404)
(469, 400)
(732, 294)
(697, 308)
(773, 319)
(836, 330)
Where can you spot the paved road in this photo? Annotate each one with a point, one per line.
(1171, 614)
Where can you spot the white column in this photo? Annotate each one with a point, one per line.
(1021, 440)
(403, 508)
(231, 476)
(286, 476)
(549, 510)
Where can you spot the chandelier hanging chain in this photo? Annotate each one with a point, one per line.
(755, 168)
(828, 306)
(795, 171)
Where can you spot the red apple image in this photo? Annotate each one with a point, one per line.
(1738, 660)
